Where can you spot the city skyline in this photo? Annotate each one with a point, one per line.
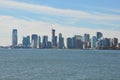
(57, 42)
(72, 18)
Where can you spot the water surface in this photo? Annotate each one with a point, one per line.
(53, 64)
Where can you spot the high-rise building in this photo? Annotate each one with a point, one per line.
(93, 42)
(86, 37)
(79, 44)
(61, 41)
(86, 41)
(34, 41)
(105, 42)
(44, 42)
(69, 43)
(54, 39)
(99, 35)
(14, 38)
(49, 44)
(39, 42)
(77, 41)
(26, 41)
(114, 42)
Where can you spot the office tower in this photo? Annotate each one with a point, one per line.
(77, 42)
(14, 38)
(87, 43)
(54, 39)
(26, 41)
(44, 42)
(69, 43)
(49, 44)
(39, 42)
(99, 35)
(86, 37)
(61, 41)
(34, 41)
(105, 42)
(99, 44)
(114, 42)
(93, 42)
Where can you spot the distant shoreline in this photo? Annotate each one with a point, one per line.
(53, 49)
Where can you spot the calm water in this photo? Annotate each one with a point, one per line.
(59, 65)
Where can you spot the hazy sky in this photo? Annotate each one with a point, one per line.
(68, 17)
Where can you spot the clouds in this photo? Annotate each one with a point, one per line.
(39, 18)
(63, 16)
(28, 27)
(38, 9)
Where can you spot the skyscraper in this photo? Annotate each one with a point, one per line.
(77, 41)
(26, 42)
(86, 37)
(99, 35)
(105, 42)
(44, 42)
(39, 42)
(93, 42)
(49, 44)
(61, 41)
(87, 43)
(54, 39)
(34, 41)
(14, 38)
(114, 42)
(69, 43)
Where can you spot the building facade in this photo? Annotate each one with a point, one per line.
(99, 35)
(61, 41)
(14, 38)
(26, 42)
(34, 41)
(69, 43)
(93, 42)
(54, 39)
(44, 41)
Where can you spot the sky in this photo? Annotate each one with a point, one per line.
(69, 17)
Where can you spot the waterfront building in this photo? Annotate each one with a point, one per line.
(34, 41)
(77, 42)
(114, 42)
(93, 42)
(26, 41)
(99, 44)
(49, 44)
(86, 41)
(69, 43)
(106, 42)
(14, 38)
(99, 35)
(44, 42)
(86, 37)
(39, 42)
(54, 39)
(61, 41)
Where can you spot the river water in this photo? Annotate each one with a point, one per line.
(55, 64)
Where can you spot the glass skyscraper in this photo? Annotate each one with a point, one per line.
(14, 38)
(44, 42)
(99, 35)
(93, 42)
(34, 40)
(61, 41)
(26, 41)
(54, 39)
